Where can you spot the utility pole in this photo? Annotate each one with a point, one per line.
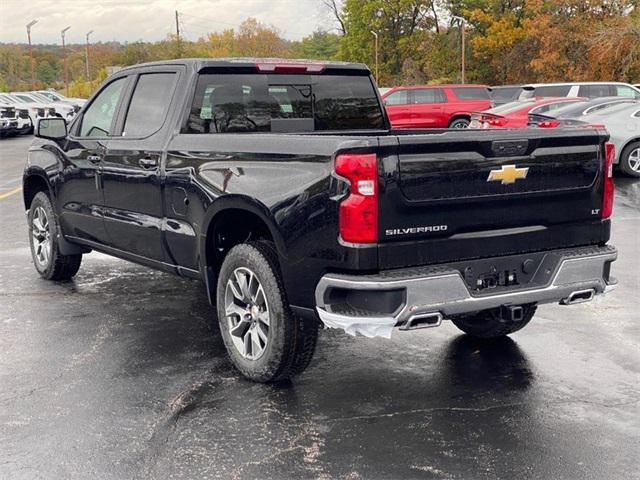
(33, 75)
(66, 66)
(375, 35)
(462, 22)
(178, 35)
(86, 56)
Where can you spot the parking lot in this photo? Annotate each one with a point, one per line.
(120, 374)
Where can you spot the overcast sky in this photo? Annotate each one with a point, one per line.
(150, 20)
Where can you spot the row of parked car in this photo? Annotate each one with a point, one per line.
(19, 111)
(611, 105)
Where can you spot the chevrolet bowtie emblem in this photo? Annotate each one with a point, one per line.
(508, 174)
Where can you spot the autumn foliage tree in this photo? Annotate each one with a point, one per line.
(507, 41)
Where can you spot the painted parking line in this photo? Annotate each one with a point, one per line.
(9, 193)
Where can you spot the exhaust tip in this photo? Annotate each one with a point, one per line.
(423, 320)
(579, 296)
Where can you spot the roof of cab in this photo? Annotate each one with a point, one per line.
(200, 63)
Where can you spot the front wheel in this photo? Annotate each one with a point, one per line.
(493, 323)
(630, 159)
(43, 239)
(264, 339)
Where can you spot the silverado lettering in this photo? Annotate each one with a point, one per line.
(405, 231)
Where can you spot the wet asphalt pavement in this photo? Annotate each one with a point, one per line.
(119, 375)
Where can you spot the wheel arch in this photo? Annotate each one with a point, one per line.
(34, 181)
(626, 144)
(229, 221)
(460, 116)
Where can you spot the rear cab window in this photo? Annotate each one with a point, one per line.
(256, 102)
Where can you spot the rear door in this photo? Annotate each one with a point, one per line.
(397, 106)
(480, 193)
(131, 174)
(428, 108)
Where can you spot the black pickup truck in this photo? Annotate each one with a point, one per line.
(282, 185)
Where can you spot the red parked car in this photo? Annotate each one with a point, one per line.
(435, 106)
(516, 114)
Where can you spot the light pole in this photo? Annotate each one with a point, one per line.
(33, 75)
(462, 22)
(375, 35)
(86, 55)
(66, 69)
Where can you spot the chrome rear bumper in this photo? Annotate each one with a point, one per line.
(441, 292)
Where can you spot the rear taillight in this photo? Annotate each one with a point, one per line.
(548, 124)
(491, 121)
(359, 211)
(607, 197)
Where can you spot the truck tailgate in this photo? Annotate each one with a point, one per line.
(468, 194)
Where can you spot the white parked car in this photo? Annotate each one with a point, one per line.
(63, 110)
(579, 89)
(36, 111)
(14, 121)
(623, 123)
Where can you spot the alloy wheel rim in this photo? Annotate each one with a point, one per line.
(41, 237)
(247, 313)
(460, 125)
(634, 160)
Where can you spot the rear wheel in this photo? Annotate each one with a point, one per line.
(264, 339)
(460, 123)
(43, 239)
(630, 159)
(493, 323)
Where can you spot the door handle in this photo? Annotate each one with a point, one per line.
(148, 162)
(94, 158)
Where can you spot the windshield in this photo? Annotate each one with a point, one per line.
(17, 99)
(233, 103)
(50, 96)
(24, 98)
(40, 97)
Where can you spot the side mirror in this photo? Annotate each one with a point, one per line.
(52, 128)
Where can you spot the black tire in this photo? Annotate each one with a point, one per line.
(460, 123)
(57, 266)
(291, 340)
(626, 161)
(492, 323)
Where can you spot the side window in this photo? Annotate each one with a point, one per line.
(553, 91)
(397, 98)
(624, 91)
(637, 114)
(149, 104)
(96, 121)
(596, 91)
(428, 95)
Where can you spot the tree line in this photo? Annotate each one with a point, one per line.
(419, 41)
